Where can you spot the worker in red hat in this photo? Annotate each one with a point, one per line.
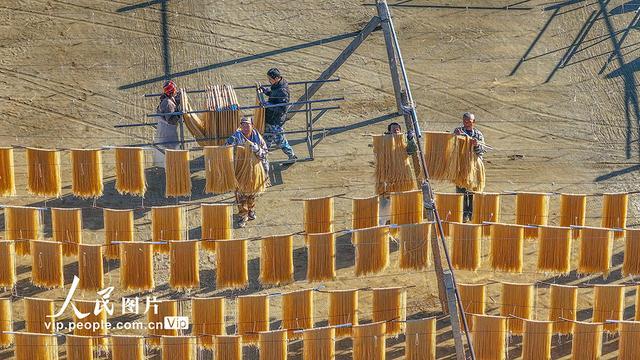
(167, 129)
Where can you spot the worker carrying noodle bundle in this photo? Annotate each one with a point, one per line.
(167, 128)
(246, 199)
(276, 116)
(468, 129)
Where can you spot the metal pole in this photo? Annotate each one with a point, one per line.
(181, 134)
(383, 12)
(308, 116)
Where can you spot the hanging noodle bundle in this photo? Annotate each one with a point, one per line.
(420, 341)
(6, 323)
(465, 239)
(631, 264)
(393, 169)
(536, 341)
(219, 169)
(486, 207)
(532, 209)
(178, 347)
(156, 316)
(587, 341)
(8, 264)
(38, 315)
(30, 346)
(228, 347)
(90, 267)
(127, 347)
(564, 303)
(472, 297)
(79, 347)
(184, 260)
(614, 212)
(321, 253)
(372, 249)
(273, 345)
(573, 208)
(213, 127)
(67, 229)
(449, 208)
(608, 304)
(318, 215)
(365, 212)
(319, 343)
(259, 116)
(440, 155)
(629, 340)
(7, 176)
(250, 175)
(489, 337)
(369, 341)
(118, 226)
(87, 326)
(596, 248)
(276, 259)
(177, 173)
(231, 264)
(414, 245)
(517, 300)
(390, 306)
(217, 222)
(208, 318)
(297, 311)
(406, 207)
(21, 223)
(46, 264)
(130, 177)
(252, 316)
(507, 247)
(86, 167)
(136, 267)
(343, 309)
(554, 249)
(167, 223)
(471, 171)
(43, 172)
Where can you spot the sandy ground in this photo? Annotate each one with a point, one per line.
(72, 69)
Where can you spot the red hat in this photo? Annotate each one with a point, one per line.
(169, 87)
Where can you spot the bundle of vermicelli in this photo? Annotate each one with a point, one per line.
(94, 324)
(319, 343)
(440, 155)
(420, 339)
(365, 212)
(273, 345)
(554, 249)
(228, 347)
(471, 172)
(276, 259)
(250, 175)
(217, 222)
(614, 212)
(194, 123)
(6, 323)
(7, 176)
(22, 223)
(369, 341)
(318, 215)
(473, 301)
(43, 172)
(129, 165)
(8, 264)
(573, 208)
(30, 346)
(532, 209)
(465, 239)
(406, 207)
(608, 304)
(596, 247)
(224, 118)
(629, 340)
(46, 264)
(489, 337)
(178, 347)
(486, 207)
(393, 169)
(372, 249)
(136, 266)
(506, 247)
(259, 117)
(564, 303)
(631, 263)
(86, 167)
(127, 347)
(118, 226)
(67, 229)
(38, 315)
(167, 223)
(449, 208)
(219, 169)
(184, 260)
(390, 306)
(90, 268)
(207, 315)
(177, 173)
(587, 341)
(252, 316)
(536, 342)
(297, 311)
(231, 264)
(517, 300)
(321, 250)
(414, 245)
(164, 308)
(343, 309)
(79, 347)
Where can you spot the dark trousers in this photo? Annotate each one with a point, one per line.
(467, 202)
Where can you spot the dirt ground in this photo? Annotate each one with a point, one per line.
(552, 84)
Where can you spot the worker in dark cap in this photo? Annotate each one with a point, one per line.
(167, 128)
(276, 116)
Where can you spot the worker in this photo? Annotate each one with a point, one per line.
(167, 128)
(247, 134)
(276, 116)
(468, 129)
